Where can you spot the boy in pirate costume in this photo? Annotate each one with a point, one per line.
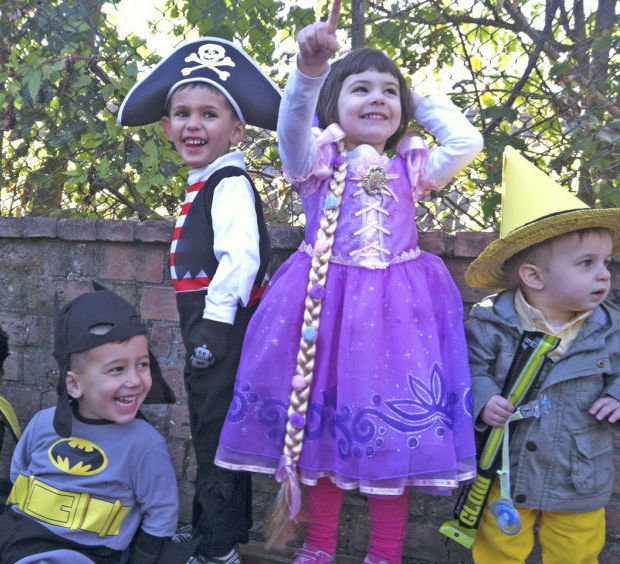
(552, 257)
(204, 94)
(91, 472)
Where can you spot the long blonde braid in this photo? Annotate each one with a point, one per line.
(281, 523)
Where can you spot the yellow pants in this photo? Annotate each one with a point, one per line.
(575, 538)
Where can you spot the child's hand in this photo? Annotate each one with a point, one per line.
(318, 43)
(209, 342)
(497, 411)
(606, 408)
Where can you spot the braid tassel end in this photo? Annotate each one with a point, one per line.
(285, 514)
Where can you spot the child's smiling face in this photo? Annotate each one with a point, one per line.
(369, 109)
(201, 124)
(111, 381)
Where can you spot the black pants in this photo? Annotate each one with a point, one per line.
(222, 507)
(21, 536)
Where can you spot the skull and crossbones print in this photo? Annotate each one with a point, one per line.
(212, 56)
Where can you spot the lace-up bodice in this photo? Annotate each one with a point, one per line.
(376, 226)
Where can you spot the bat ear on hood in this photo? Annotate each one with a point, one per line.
(77, 328)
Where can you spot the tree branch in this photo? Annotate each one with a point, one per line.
(550, 11)
(136, 204)
(554, 55)
(454, 18)
(605, 19)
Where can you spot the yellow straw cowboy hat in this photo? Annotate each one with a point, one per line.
(534, 209)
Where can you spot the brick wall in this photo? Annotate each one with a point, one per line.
(41, 256)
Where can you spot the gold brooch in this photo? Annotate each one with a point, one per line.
(374, 180)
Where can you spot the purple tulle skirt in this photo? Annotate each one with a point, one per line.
(390, 403)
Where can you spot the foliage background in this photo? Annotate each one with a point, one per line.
(539, 75)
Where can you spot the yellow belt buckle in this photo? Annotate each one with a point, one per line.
(57, 507)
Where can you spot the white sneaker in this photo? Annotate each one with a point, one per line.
(196, 559)
(233, 557)
(183, 534)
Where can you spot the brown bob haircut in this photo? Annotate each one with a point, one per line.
(356, 62)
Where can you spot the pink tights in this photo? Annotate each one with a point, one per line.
(388, 521)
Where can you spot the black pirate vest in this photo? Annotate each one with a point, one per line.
(192, 260)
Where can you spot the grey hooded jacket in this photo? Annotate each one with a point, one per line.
(562, 461)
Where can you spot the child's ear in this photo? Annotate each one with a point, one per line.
(237, 133)
(73, 385)
(531, 276)
(165, 124)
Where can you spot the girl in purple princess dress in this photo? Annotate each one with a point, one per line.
(354, 372)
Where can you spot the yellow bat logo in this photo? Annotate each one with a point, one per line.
(77, 456)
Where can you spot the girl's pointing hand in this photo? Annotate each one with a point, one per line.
(318, 43)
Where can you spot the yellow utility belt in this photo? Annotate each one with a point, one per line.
(67, 509)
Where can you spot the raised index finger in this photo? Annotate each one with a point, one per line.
(334, 15)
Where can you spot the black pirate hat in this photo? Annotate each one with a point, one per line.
(215, 61)
(73, 333)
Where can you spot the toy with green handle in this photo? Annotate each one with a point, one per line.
(524, 370)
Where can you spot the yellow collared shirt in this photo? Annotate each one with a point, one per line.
(532, 319)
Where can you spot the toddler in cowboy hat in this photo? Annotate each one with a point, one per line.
(552, 263)
(90, 472)
(204, 94)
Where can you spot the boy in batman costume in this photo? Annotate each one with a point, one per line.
(91, 472)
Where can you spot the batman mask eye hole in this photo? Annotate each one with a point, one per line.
(101, 328)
